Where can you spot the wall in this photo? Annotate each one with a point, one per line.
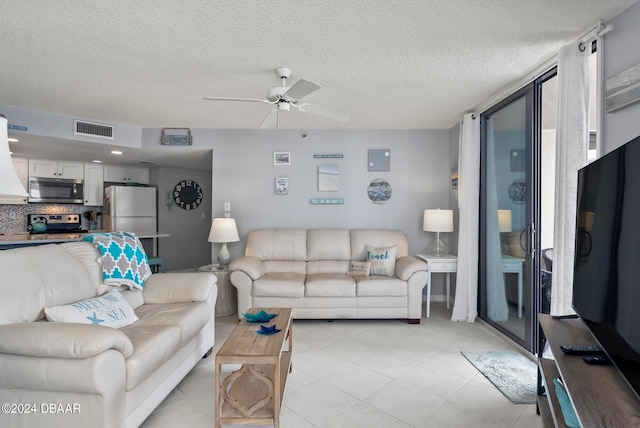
(187, 247)
(244, 174)
(621, 52)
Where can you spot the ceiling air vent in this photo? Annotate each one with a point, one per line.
(93, 129)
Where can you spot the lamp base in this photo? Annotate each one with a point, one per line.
(438, 249)
(224, 257)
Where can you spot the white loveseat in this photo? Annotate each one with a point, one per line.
(92, 375)
(308, 271)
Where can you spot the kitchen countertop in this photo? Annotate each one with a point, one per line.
(13, 238)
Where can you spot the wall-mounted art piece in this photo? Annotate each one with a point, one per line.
(379, 191)
(282, 158)
(326, 201)
(379, 160)
(623, 89)
(282, 185)
(328, 178)
(517, 160)
(328, 156)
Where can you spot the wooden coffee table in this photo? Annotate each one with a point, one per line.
(253, 394)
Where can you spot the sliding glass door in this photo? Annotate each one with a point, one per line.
(516, 166)
(506, 215)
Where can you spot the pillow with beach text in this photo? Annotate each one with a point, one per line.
(110, 310)
(383, 260)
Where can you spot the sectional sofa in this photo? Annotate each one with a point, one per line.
(69, 374)
(322, 274)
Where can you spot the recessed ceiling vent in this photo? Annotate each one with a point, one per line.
(90, 129)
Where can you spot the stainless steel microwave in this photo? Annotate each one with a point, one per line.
(56, 191)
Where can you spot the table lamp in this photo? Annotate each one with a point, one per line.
(223, 230)
(504, 225)
(10, 184)
(438, 221)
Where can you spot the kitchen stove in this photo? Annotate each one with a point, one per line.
(56, 223)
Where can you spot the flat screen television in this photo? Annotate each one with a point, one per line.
(606, 287)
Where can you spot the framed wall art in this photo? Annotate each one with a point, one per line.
(379, 160)
(282, 158)
(282, 185)
(328, 178)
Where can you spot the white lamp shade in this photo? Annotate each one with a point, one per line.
(223, 230)
(438, 221)
(504, 221)
(10, 184)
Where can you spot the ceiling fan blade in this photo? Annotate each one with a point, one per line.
(325, 112)
(301, 89)
(271, 119)
(256, 100)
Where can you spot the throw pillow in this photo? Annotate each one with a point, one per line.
(111, 310)
(124, 261)
(383, 260)
(357, 268)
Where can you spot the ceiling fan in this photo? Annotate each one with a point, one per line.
(284, 97)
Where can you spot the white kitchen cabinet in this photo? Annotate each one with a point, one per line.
(126, 174)
(56, 169)
(22, 169)
(93, 184)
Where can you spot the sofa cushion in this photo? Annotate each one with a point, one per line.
(153, 345)
(380, 286)
(188, 317)
(90, 258)
(357, 268)
(277, 244)
(110, 310)
(383, 260)
(329, 285)
(328, 244)
(328, 266)
(296, 266)
(279, 284)
(35, 278)
(377, 238)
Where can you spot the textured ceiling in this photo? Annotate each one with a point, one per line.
(392, 64)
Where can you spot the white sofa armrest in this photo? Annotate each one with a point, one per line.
(252, 266)
(62, 340)
(178, 288)
(407, 266)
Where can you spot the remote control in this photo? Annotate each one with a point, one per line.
(601, 360)
(581, 350)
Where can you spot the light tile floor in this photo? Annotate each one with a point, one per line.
(369, 373)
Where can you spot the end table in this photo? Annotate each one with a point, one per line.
(439, 264)
(226, 302)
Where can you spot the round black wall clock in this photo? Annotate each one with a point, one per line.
(187, 194)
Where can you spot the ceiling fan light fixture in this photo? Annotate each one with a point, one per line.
(284, 106)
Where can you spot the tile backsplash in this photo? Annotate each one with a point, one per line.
(13, 218)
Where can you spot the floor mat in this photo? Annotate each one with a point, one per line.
(511, 372)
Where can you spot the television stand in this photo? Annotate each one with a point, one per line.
(599, 394)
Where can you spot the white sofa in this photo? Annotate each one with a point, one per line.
(92, 375)
(308, 271)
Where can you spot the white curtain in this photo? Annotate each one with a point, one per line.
(465, 307)
(572, 145)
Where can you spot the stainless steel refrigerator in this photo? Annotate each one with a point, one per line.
(130, 209)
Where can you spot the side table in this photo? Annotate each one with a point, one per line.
(226, 302)
(444, 264)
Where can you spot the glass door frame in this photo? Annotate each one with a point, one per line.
(527, 293)
(532, 293)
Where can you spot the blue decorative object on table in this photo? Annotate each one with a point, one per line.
(268, 330)
(260, 316)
